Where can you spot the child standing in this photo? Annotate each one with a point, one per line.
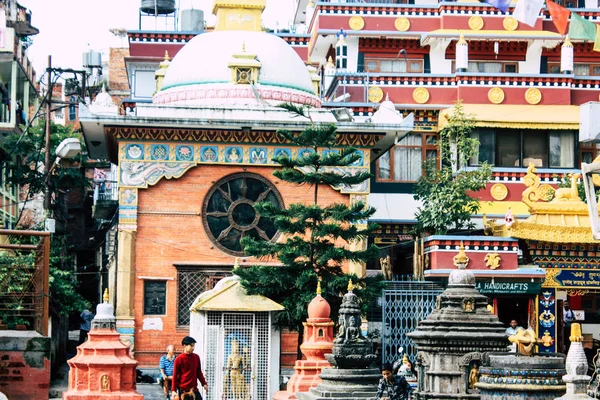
(396, 386)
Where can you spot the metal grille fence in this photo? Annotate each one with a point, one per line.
(237, 359)
(191, 283)
(404, 305)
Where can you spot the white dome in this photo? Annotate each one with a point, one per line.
(203, 64)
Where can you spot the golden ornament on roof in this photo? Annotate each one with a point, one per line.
(496, 95)
(533, 96)
(461, 260)
(350, 286)
(476, 22)
(510, 24)
(356, 23)
(105, 297)
(499, 191)
(375, 94)
(402, 24)
(421, 95)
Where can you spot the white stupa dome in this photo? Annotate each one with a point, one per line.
(200, 73)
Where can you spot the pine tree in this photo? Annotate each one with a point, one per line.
(316, 237)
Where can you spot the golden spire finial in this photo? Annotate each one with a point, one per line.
(167, 56)
(105, 297)
(567, 42)
(236, 263)
(576, 335)
(319, 287)
(350, 286)
(461, 260)
(461, 39)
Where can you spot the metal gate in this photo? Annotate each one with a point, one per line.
(404, 305)
(237, 362)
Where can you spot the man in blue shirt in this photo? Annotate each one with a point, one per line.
(166, 369)
(86, 323)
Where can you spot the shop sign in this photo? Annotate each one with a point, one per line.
(575, 278)
(508, 287)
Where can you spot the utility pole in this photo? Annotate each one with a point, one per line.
(48, 193)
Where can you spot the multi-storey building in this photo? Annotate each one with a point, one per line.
(524, 91)
(18, 94)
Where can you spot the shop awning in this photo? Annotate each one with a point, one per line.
(518, 116)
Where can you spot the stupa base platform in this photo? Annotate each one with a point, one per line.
(344, 384)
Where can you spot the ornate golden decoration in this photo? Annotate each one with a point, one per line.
(375, 94)
(496, 95)
(105, 296)
(577, 292)
(492, 260)
(402, 24)
(499, 191)
(421, 95)
(461, 260)
(547, 340)
(510, 24)
(525, 340)
(468, 305)
(546, 192)
(570, 194)
(533, 96)
(350, 285)
(476, 22)
(576, 335)
(550, 282)
(356, 23)
(105, 383)
(532, 181)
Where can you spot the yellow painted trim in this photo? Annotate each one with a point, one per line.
(522, 116)
(501, 207)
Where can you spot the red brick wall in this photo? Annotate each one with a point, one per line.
(118, 83)
(166, 239)
(24, 366)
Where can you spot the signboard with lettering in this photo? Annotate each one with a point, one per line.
(574, 278)
(507, 287)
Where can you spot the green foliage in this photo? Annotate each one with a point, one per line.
(16, 270)
(446, 193)
(28, 150)
(313, 234)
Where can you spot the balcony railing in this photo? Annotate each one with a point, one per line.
(106, 191)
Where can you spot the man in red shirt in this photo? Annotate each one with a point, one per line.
(187, 372)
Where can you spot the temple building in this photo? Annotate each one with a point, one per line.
(193, 162)
(372, 62)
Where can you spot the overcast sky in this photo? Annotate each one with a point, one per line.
(70, 27)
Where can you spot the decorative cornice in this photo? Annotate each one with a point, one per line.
(222, 136)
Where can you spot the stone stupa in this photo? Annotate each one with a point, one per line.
(352, 376)
(451, 341)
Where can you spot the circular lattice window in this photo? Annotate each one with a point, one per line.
(229, 215)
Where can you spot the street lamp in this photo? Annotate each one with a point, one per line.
(67, 149)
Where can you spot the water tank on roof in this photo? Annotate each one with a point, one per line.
(192, 20)
(92, 59)
(161, 7)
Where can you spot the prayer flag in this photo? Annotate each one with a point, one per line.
(528, 11)
(581, 28)
(501, 5)
(560, 16)
(597, 41)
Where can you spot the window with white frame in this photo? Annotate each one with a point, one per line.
(341, 56)
(519, 147)
(392, 65)
(405, 161)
